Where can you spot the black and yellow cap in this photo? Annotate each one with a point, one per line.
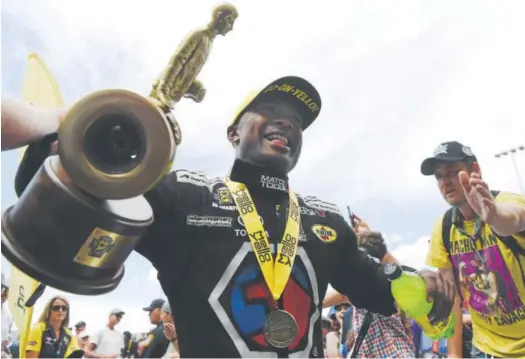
(295, 90)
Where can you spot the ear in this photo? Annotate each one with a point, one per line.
(233, 134)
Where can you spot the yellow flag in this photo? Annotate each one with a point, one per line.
(40, 89)
(21, 287)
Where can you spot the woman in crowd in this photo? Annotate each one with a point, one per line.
(50, 336)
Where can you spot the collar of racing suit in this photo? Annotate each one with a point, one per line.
(259, 180)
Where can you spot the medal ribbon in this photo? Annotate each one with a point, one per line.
(276, 273)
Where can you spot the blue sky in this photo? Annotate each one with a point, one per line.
(396, 79)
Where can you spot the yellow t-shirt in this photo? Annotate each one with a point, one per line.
(492, 283)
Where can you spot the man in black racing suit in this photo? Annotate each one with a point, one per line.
(204, 256)
(228, 302)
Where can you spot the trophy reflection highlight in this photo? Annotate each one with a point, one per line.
(83, 211)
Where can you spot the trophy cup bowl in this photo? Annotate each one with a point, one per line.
(115, 144)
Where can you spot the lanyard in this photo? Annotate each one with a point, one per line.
(275, 274)
(478, 227)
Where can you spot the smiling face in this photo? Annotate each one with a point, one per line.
(269, 135)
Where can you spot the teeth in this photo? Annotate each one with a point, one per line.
(276, 136)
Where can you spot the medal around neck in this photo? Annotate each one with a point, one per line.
(280, 329)
(85, 206)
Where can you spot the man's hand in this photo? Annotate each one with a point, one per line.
(61, 113)
(478, 196)
(442, 292)
(360, 224)
(169, 331)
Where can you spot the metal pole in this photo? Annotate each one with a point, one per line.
(513, 159)
(512, 154)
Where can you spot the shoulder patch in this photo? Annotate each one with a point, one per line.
(316, 203)
(195, 178)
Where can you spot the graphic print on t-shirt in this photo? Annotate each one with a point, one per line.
(486, 280)
(242, 302)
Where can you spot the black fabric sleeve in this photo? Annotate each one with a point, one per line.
(361, 279)
(170, 200)
(162, 199)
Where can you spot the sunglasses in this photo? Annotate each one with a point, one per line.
(56, 308)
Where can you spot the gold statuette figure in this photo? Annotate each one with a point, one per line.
(179, 78)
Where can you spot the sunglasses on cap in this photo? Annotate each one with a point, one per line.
(56, 308)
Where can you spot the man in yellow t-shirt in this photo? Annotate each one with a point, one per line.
(480, 244)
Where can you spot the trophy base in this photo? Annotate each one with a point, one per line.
(30, 265)
(65, 238)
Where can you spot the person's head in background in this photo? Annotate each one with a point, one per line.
(340, 310)
(326, 326)
(80, 327)
(154, 310)
(56, 312)
(114, 317)
(166, 315)
(336, 314)
(449, 159)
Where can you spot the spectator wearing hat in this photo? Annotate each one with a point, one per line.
(108, 342)
(479, 243)
(156, 343)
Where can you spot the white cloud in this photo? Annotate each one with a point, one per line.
(152, 275)
(413, 254)
(396, 79)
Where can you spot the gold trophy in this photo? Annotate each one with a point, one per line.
(83, 211)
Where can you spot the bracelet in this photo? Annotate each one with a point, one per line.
(173, 339)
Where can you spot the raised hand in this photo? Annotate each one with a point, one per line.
(478, 196)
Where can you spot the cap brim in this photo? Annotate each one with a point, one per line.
(428, 165)
(147, 309)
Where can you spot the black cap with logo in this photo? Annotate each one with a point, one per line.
(452, 151)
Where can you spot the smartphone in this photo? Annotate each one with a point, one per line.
(351, 216)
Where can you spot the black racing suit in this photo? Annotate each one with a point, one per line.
(215, 287)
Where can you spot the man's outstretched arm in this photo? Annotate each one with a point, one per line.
(362, 280)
